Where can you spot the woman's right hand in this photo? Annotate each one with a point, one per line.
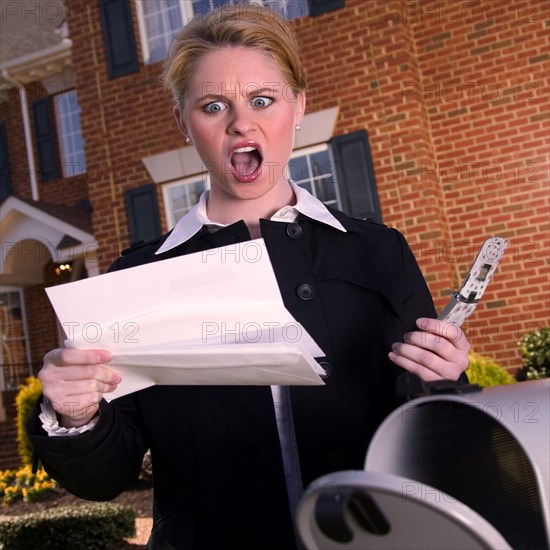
(74, 381)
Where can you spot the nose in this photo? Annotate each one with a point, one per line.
(241, 121)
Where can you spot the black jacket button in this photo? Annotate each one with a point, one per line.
(305, 291)
(294, 230)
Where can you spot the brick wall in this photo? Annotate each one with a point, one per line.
(485, 68)
(455, 98)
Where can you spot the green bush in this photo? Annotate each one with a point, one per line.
(535, 349)
(486, 372)
(28, 395)
(87, 527)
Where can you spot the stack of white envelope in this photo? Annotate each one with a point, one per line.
(213, 318)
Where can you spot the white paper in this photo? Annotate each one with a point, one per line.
(214, 317)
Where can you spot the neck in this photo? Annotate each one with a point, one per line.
(227, 209)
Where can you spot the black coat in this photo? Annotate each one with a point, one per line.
(218, 475)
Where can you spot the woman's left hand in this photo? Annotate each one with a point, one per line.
(438, 350)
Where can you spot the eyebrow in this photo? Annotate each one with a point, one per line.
(264, 90)
(209, 97)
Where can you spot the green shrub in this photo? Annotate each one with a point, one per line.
(28, 395)
(535, 349)
(86, 527)
(486, 372)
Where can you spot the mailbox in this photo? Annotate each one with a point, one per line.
(444, 471)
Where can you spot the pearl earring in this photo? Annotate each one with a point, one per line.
(188, 140)
(298, 127)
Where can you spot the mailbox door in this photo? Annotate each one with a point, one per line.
(360, 510)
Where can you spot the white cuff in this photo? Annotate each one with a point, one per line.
(51, 425)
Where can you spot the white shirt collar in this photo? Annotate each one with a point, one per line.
(196, 218)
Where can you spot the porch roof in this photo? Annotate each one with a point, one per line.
(34, 233)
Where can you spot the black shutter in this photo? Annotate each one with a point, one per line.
(355, 173)
(143, 213)
(5, 178)
(318, 7)
(118, 37)
(46, 143)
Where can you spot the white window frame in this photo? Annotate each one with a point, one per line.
(170, 217)
(66, 143)
(186, 12)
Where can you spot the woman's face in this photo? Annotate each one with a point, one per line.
(241, 114)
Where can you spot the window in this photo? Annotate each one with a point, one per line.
(313, 169)
(160, 20)
(14, 354)
(71, 142)
(181, 196)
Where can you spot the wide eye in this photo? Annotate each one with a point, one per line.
(261, 102)
(215, 107)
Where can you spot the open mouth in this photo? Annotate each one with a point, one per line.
(246, 163)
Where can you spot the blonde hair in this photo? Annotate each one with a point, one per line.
(241, 25)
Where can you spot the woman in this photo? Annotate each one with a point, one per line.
(230, 462)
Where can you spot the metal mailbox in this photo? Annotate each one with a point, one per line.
(447, 471)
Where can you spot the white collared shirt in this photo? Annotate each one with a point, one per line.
(196, 218)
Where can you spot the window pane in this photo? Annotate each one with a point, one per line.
(326, 190)
(307, 186)
(320, 163)
(183, 197)
(298, 168)
(290, 9)
(162, 20)
(153, 23)
(13, 354)
(315, 172)
(157, 50)
(174, 18)
(71, 141)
